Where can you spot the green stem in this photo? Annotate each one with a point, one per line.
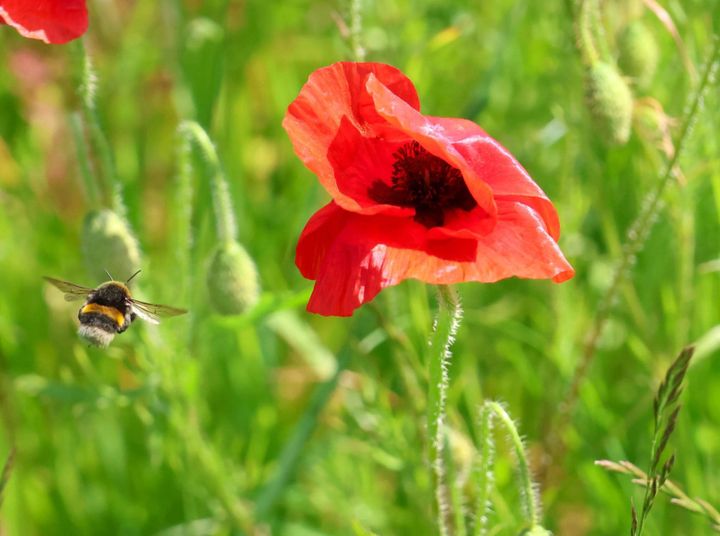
(185, 193)
(585, 40)
(483, 471)
(356, 30)
(531, 502)
(222, 203)
(5, 475)
(446, 325)
(598, 29)
(291, 454)
(636, 237)
(91, 188)
(87, 91)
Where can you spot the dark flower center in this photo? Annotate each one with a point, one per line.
(423, 181)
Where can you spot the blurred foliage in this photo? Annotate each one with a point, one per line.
(174, 430)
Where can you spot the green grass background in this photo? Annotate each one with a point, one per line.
(174, 430)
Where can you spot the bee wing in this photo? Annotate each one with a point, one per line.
(72, 291)
(152, 312)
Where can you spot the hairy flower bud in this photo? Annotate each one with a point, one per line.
(638, 53)
(232, 280)
(610, 101)
(109, 245)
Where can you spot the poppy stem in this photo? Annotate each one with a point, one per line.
(108, 182)
(483, 470)
(636, 237)
(222, 203)
(91, 187)
(528, 490)
(7, 470)
(584, 34)
(183, 225)
(444, 331)
(356, 30)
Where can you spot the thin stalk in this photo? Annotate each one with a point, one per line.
(677, 496)
(291, 454)
(222, 202)
(636, 237)
(356, 30)
(584, 34)
(597, 27)
(483, 471)
(91, 187)
(87, 91)
(446, 326)
(531, 500)
(5, 475)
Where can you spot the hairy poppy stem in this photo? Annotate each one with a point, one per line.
(91, 187)
(528, 491)
(483, 471)
(585, 40)
(445, 329)
(356, 30)
(108, 182)
(222, 204)
(183, 212)
(636, 237)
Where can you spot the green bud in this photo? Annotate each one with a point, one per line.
(232, 280)
(109, 244)
(610, 101)
(638, 53)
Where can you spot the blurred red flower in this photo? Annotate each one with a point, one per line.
(413, 196)
(52, 21)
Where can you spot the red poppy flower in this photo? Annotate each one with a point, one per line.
(413, 196)
(52, 21)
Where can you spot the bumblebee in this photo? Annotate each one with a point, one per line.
(110, 309)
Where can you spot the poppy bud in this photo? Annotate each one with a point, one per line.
(232, 280)
(109, 245)
(610, 101)
(638, 53)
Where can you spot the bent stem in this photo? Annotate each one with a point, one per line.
(445, 329)
(636, 237)
(531, 501)
(222, 203)
(483, 470)
(108, 182)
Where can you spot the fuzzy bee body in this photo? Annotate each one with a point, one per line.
(109, 309)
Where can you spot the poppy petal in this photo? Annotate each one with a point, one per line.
(482, 160)
(317, 237)
(341, 249)
(431, 136)
(359, 163)
(331, 93)
(52, 21)
(498, 168)
(353, 257)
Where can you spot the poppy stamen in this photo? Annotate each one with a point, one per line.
(422, 181)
